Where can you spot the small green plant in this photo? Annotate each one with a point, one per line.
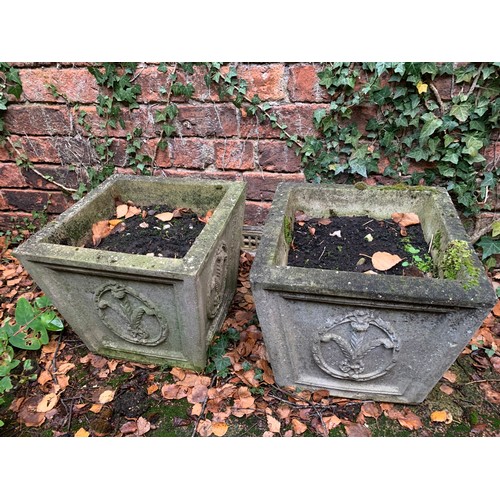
(288, 230)
(490, 245)
(422, 262)
(457, 264)
(28, 331)
(218, 362)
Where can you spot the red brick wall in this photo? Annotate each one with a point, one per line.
(214, 139)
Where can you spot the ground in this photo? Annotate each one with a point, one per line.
(79, 393)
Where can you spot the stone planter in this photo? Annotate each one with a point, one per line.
(138, 307)
(377, 337)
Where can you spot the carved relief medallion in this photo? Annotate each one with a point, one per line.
(217, 282)
(357, 346)
(129, 315)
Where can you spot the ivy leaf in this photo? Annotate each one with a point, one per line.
(489, 246)
(24, 312)
(461, 111)
(422, 87)
(432, 123)
(495, 228)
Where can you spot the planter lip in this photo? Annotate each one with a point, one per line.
(37, 248)
(266, 274)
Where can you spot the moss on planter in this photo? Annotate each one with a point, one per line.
(457, 263)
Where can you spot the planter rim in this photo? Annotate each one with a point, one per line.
(405, 289)
(37, 248)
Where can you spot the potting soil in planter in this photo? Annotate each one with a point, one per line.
(348, 243)
(146, 234)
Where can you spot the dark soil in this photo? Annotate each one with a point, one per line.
(171, 239)
(351, 250)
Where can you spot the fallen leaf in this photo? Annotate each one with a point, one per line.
(283, 412)
(95, 408)
(129, 427)
(178, 373)
(106, 396)
(196, 409)
(143, 426)
(114, 222)
(152, 389)
(372, 410)
(405, 417)
(495, 362)
(64, 368)
(204, 428)
(446, 389)
(28, 414)
(491, 395)
(324, 222)
(357, 430)
(165, 216)
(405, 219)
(121, 210)
(44, 377)
(219, 428)
(132, 210)
(198, 394)
(273, 424)
(496, 309)
(206, 217)
(81, 432)
(311, 230)
(47, 403)
(382, 261)
(442, 416)
(450, 376)
(300, 216)
(100, 230)
(298, 427)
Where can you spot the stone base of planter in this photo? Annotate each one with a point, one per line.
(376, 337)
(137, 307)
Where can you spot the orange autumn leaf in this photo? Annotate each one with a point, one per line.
(442, 416)
(446, 389)
(47, 403)
(382, 261)
(450, 376)
(151, 389)
(496, 309)
(165, 216)
(357, 430)
(100, 230)
(219, 428)
(204, 428)
(206, 217)
(81, 432)
(405, 219)
(106, 396)
(121, 210)
(132, 210)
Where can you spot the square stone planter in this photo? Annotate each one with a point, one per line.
(377, 337)
(138, 307)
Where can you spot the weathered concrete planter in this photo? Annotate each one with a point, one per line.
(137, 307)
(379, 337)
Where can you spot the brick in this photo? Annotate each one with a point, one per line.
(11, 176)
(9, 220)
(38, 120)
(234, 155)
(77, 84)
(190, 153)
(303, 84)
(276, 156)
(361, 115)
(262, 185)
(443, 85)
(256, 213)
(60, 150)
(59, 173)
(207, 120)
(267, 81)
(297, 117)
(142, 117)
(4, 204)
(27, 200)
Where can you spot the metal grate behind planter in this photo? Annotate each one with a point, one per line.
(250, 238)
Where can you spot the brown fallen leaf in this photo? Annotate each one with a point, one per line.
(132, 210)
(273, 424)
(312, 230)
(442, 416)
(298, 427)
(143, 426)
(206, 217)
(152, 389)
(121, 210)
(28, 414)
(95, 408)
(47, 403)
(382, 261)
(357, 430)
(165, 216)
(129, 427)
(372, 410)
(405, 219)
(198, 394)
(446, 389)
(496, 309)
(450, 376)
(100, 230)
(204, 428)
(491, 395)
(324, 222)
(495, 362)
